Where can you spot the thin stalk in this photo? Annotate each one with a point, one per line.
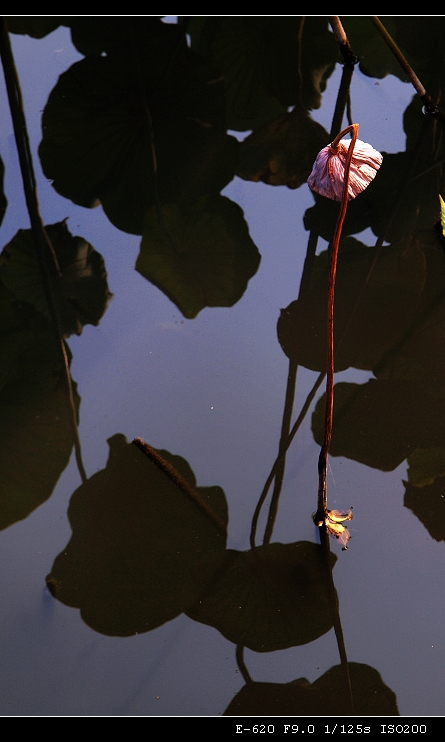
(293, 367)
(285, 439)
(349, 115)
(329, 404)
(177, 479)
(324, 536)
(343, 101)
(342, 40)
(333, 600)
(430, 106)
(239, 654)
(329, 409)
(281, 459)
(299, 50)
(309, 261)
(46, 256)
(303, 412)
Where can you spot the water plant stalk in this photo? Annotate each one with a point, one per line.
(329, 405)
(45, 253)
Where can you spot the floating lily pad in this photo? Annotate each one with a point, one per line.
(81, 293)
(272, 598)
(141, 551)
(325, 697)
(201, 256)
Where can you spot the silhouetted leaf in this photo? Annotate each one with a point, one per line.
(421, 41)
(35, 426)
(428, 505)
(108, 116)
(98, 34)
(81, 293)
(271, 598)
(282, 152)
(141, 551)
(404, 193)
(268, 64)
(425, 465)
(378, 297)
(321, 218)
(305, 65)
(200, 256)
(35, 26)
(327, 696)
(376, 59)
(382, 422)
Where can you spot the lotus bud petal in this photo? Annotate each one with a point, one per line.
(328, 172)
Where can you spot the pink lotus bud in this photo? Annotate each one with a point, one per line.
(327, 176)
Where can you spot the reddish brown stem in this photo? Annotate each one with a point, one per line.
(329, 405)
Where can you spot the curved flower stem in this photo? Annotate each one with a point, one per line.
(277, 471)
(329, 408)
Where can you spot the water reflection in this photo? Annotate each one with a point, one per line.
(139, 555)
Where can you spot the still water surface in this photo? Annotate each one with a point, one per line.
(211, 390)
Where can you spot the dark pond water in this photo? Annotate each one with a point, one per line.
(145, 608)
